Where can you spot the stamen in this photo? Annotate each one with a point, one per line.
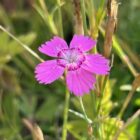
(71, 58)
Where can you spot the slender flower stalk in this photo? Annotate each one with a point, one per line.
(95, 115)
(66, 109)
(90, 128)
(80, 115)
(83, 109)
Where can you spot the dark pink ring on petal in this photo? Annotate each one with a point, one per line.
(71, 58)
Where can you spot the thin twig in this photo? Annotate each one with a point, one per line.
(135, 85)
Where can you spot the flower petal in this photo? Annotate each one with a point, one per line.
(80, 81)
(48, 71)
(84, 43)
(97, 64)
(53, 46)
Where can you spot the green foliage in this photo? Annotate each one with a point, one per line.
(22, 97)
(10, 48)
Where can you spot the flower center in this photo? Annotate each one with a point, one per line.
(71, 58)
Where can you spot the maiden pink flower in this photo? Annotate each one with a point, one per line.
(81, 67)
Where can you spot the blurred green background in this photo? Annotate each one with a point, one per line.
(22, 97)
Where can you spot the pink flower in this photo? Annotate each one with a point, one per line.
(81, 67)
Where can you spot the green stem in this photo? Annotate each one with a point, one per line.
(97, 125)
(92, 20)
(80, 115)
(126, 102)
(48, 19)
(22, 44)
(84, 16)
(91, 16)
(43, 6)
(83, 109)
(60, 19)
(102, 93)
(66, 109)
(85, 117)
(93, 97)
